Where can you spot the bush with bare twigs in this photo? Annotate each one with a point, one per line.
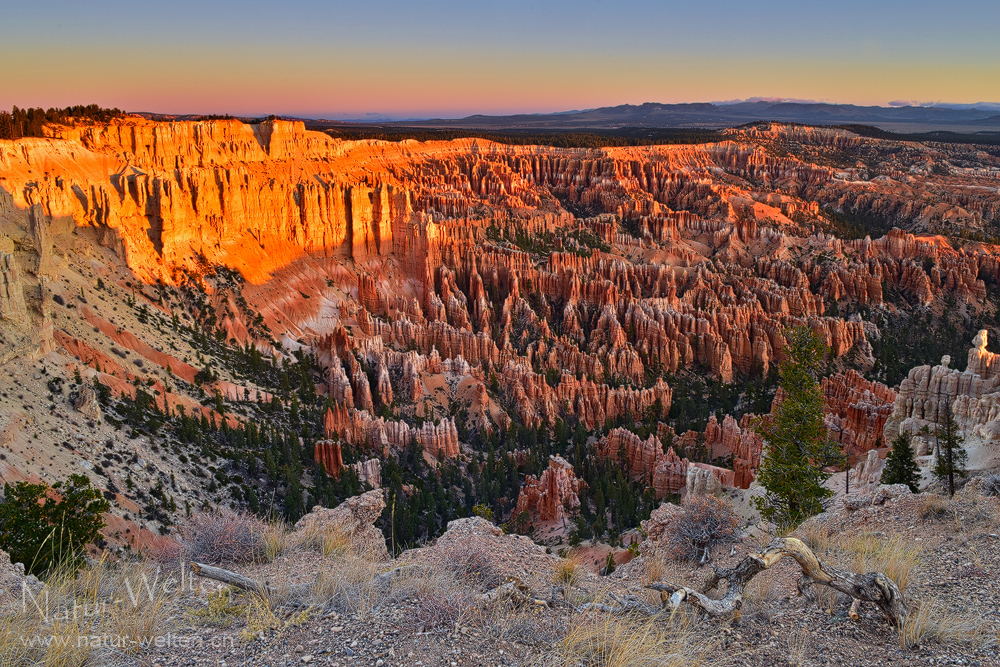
(224, 536)
(474, 565)
(705, 523)
(441, 610)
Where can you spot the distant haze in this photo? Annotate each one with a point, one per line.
(444, 58)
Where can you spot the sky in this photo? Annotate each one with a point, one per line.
(444, 58)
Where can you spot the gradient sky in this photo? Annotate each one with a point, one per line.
(445, 58)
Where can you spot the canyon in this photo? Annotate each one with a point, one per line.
(465, 302)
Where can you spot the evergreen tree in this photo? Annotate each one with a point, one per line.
(796, 442)
(900, 466)
(951, 457)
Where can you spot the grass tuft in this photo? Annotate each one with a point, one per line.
(609, 641)
(895, 556)
(933, 506)
(933, 621)
(567, 571)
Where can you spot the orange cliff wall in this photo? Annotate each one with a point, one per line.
(161, 194)
(256, 196)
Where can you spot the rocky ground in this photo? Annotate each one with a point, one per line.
(337, 599)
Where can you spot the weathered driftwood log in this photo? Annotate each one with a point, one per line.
(244, 583)
(628, 604)
(871, 587)
(231, 578)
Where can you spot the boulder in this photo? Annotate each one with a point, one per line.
(87, 404)
(356, 516)
(14, 583)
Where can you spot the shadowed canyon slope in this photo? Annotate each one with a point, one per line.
(619, 304)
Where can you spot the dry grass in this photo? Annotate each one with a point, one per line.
(518, 624)
(568, 571)
(761, 594)
(326, 539)
(931, 620)
(933, 506)
(798, 647)
(275, 540)
(827, 599)
(897, 557)
(603, 640)
(654, 567)
(815, 535)
(106, 613)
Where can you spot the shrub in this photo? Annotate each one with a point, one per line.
(704, 523)
(473, 565)
(224, 535)
(440, 610)
(45, 527)
(220, 611)
(483, 511)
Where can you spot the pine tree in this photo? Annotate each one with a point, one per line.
(951, 457)
(900, 466)
(796, 440)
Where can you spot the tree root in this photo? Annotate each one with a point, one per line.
(871, 587)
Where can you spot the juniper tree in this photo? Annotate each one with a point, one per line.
(796, 442)
(951, 457)
(47, 527)
(900, 465)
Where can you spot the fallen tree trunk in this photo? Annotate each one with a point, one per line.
(230, 578)
(871, 587)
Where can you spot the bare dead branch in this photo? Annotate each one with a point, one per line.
(872, 587)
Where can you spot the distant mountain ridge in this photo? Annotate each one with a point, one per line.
(705, 114)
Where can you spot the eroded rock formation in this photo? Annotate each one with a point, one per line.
(973, 396)
(552, 497)
(857, 410)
